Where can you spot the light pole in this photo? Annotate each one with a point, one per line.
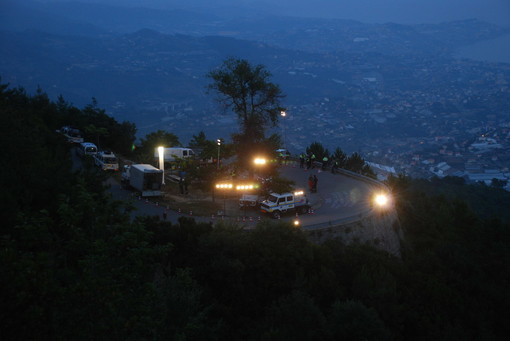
(224, 187)
(258, 162)
(161, 153)
(283, 114)
(218, 141)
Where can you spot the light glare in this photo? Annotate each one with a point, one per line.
(381, 199)
(259, 161)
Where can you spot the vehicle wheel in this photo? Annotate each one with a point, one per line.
(276, 215)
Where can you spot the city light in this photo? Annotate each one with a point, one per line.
(296, 223)
(299, 193)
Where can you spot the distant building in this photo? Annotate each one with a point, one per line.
(382, 172)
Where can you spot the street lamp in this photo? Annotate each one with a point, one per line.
(161, 154)
(224, 187)
(218, 141)
(259, 161)
(283, 114)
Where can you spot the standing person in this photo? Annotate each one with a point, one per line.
(312, 160)
(334, 167)
(308, 161)
(310, 183)
(315, 181)
(324, 162)
(301, 160)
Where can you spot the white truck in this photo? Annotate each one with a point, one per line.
(145, 178)
(175, 153)
(106, 160)
(277, 204)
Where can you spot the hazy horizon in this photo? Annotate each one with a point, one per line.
(369, 11)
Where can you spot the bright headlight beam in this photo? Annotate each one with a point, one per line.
(381, 199)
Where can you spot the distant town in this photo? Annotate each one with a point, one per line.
(393, 93)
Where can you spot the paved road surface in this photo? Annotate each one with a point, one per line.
(338, 197)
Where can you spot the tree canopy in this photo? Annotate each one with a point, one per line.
(249, 93)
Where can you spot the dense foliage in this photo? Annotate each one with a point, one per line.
(354, 163)
(73, 265)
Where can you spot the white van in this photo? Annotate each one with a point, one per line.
(86, 148)
(175, 153)
(106, 160)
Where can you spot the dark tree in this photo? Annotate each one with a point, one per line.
(318, 149)
(340, 157)
(248, 92)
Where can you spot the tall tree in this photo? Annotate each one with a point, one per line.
(318, 149)
(248, 92)
(340, 157)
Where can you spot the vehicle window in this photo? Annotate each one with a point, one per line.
(289, 198)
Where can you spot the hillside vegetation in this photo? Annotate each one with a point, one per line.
(74, 267)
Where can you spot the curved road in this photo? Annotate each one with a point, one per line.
(339, 197)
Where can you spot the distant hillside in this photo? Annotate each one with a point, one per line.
(149, 67)
(132, 73)
(96, 18)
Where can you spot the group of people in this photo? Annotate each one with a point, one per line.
(309, 160)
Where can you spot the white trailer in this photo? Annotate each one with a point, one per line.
(145, 178)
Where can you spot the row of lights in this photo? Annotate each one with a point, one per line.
(238, 187)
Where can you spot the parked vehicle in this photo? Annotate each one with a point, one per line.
(73, 135)
(249, 201)
(176, 153)
(277, 204)
(86, 148)
(144, 178)
(106, 160)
